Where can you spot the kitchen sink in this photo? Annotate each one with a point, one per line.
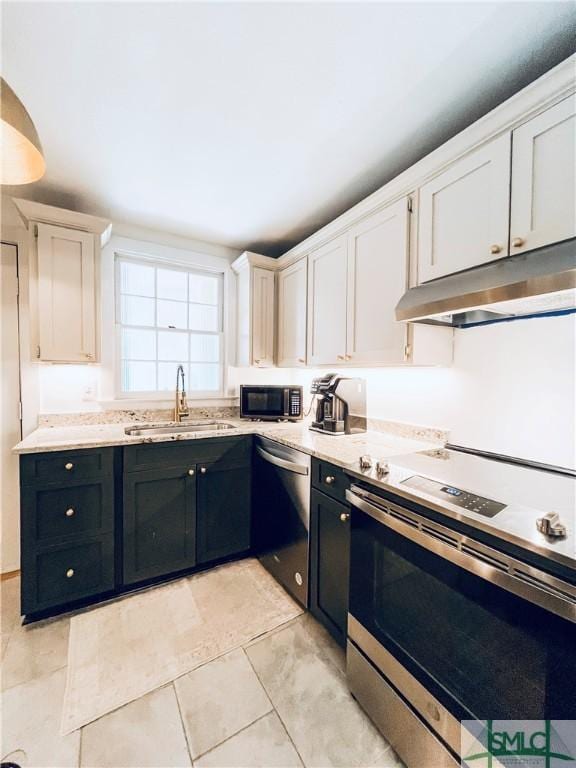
(178, 429)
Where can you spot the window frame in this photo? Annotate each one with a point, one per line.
(182, 266)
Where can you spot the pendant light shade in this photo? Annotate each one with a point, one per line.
(21, 158)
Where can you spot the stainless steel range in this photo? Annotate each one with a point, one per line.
(462, 597)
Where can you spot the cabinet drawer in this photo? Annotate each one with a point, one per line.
(74, 510)
(59, 575)
(330, 479)
(233, 451)
(62, 467)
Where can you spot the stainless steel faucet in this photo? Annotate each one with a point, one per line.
(181, 409)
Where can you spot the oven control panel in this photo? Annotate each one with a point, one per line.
(470, 501)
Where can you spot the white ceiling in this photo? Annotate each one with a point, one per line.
(252, 124)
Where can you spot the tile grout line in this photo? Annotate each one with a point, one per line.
(182, 723)
(290, 739)
(232, 736)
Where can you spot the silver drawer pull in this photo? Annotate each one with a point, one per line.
(70, 512)
(69, 573)
(68, 465)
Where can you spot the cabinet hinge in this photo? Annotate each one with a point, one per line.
(20, 411)
(38, 351)
(410, 205)
(407, 351)
(35, 230)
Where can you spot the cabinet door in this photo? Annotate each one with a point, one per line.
(544, 178)
(159, 523)
(66, 294)
(292, 298)
(262, 317)
(330, 563)
(327, 303)
(223, 511)
(463, 218)
(377, 269)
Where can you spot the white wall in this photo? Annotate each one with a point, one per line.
(511, 390)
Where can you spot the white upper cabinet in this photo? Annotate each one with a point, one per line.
(327, 272)
(64, 282)
(256, 310)
(66, 295)
(464, 212)
(262, 317)
(377, 278)
(292, 301)
(544, 178)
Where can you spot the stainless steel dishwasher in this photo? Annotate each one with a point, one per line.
(281, 518)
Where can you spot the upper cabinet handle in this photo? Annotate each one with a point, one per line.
(494, 249)
(518, 242)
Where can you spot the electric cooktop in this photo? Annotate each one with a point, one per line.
(530, 505)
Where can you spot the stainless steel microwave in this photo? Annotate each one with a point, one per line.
(270, 402)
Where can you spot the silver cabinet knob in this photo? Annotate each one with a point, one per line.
(191, 472)
(344, 517)
(495, 248)
(70, 512)
(68, 465)
(329, 480)
(340, 357)
(518, 242)
(202, 470)
(365, 461)
(69, 573)
(257, 361)
(301, 359)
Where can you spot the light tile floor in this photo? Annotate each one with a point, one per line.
(282, 700)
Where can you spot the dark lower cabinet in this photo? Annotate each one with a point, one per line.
(192, 508)
(223, 511)
(66, 528)
(329, 563)
(97, 521)
(159, 523)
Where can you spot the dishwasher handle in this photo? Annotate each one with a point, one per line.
(289, 466)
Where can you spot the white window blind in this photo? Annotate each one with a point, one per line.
(167, 315)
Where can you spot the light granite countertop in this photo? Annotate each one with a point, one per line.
(384, 441)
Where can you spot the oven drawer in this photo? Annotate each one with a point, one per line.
(330, 480)
(414, 742)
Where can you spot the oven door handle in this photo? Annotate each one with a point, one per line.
(542, 589)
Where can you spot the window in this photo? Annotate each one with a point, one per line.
(167, 316)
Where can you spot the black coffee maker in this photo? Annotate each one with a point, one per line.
(340, 405)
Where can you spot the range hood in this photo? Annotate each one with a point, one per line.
(538, 282)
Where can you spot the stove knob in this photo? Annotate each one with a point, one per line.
(551, 525)
(365, 462)
(382, 468)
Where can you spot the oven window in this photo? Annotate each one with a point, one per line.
(482, 651)
(268, 402)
